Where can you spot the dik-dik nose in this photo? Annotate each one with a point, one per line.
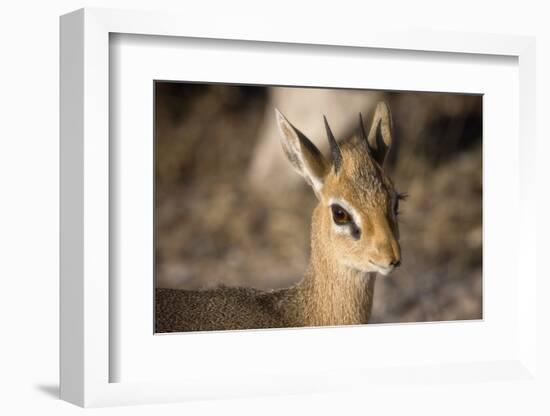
(388, 251)
(395, 260)
(395, 263)
(391, 262)
(390, 254)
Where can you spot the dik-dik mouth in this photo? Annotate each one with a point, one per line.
(383, 270)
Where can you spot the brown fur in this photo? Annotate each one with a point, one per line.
(338, 286)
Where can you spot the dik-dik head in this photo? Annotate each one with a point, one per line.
(358, 202)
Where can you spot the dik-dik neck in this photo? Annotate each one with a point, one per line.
(333, 293)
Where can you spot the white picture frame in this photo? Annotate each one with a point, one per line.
(86, 354)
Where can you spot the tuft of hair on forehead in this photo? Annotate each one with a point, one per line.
(361, 171)
(356, 157)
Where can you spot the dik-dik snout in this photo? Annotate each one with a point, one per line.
(385, 254)
(356, 220)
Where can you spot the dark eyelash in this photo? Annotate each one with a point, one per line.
(399, 196)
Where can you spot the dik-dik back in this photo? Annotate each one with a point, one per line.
(354, 235)
(222, 308)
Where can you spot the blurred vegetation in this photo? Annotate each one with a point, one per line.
(212, 228)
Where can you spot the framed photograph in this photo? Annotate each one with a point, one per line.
(266, 213)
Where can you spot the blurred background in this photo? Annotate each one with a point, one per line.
(231, 210)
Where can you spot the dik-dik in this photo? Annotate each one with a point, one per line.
(354, 235)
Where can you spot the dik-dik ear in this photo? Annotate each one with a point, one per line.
(380, 135)
(306, 159)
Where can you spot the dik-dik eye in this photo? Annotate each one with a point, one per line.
(340, 215)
